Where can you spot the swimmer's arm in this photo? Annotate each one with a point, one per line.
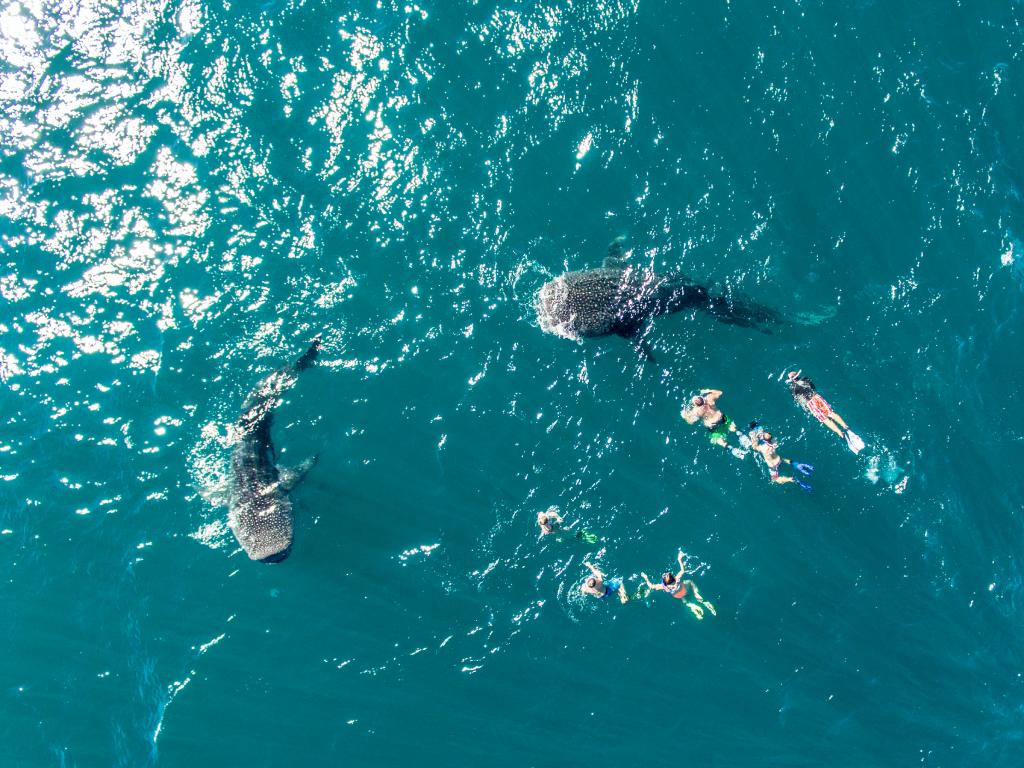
(689, 416)
(648, 582)
(711, 395)
(682, 566)
(593, 570)
(556, 517)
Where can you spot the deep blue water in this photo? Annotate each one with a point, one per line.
(190, 191)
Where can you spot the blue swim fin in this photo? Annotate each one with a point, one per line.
(806, 469)
(804, 485)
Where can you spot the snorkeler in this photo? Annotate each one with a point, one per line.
(807, 396)
(550, 521)
(599, 586)
(764, 444)
(680, 588)
(703, 408)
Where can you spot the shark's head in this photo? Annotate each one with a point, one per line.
(277, 557)
(263, 526)
(590, 302)
(553, 313)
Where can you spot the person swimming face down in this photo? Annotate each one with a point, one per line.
(800, 386)
(668, 578)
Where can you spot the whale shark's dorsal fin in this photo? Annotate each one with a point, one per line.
(618, 257)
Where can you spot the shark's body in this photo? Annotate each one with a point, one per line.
(617, 299)
(259, 510)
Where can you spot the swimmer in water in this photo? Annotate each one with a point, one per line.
(803, 391)
(764, 444)
(704, 408)
(678, 587)
(600, 586)
(550, 521)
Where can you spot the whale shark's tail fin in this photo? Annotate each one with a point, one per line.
(309, 355)
(258, 409)
(743, 312)
(677, 292)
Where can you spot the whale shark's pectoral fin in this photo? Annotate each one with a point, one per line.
(617, 258)
(289, 477)
(217, 494)
(640, 344)
(615, 262)
(644, 349)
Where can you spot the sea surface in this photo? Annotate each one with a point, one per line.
(190, 191)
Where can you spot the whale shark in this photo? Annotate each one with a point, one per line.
(259, 510)
(620, 299)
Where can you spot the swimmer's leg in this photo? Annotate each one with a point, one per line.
(623, 597)
(831, 425)
(696, 610)
(782, 479)
(696, 594)
(720, 441)
(839, 418)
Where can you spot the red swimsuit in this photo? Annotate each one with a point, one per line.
(681, 593)
(819, 408)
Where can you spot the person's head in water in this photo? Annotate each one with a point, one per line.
(668, 578)
(767, 437)
(592, 582)
(549, 520)
(697, 400)
(799, 385)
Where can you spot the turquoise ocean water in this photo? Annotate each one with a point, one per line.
(189, 191)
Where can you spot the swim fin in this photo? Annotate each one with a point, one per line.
(804, 485)
(854, 441)
(805, 469)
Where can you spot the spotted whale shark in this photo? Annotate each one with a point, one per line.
(620, 299)
(259, 510)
